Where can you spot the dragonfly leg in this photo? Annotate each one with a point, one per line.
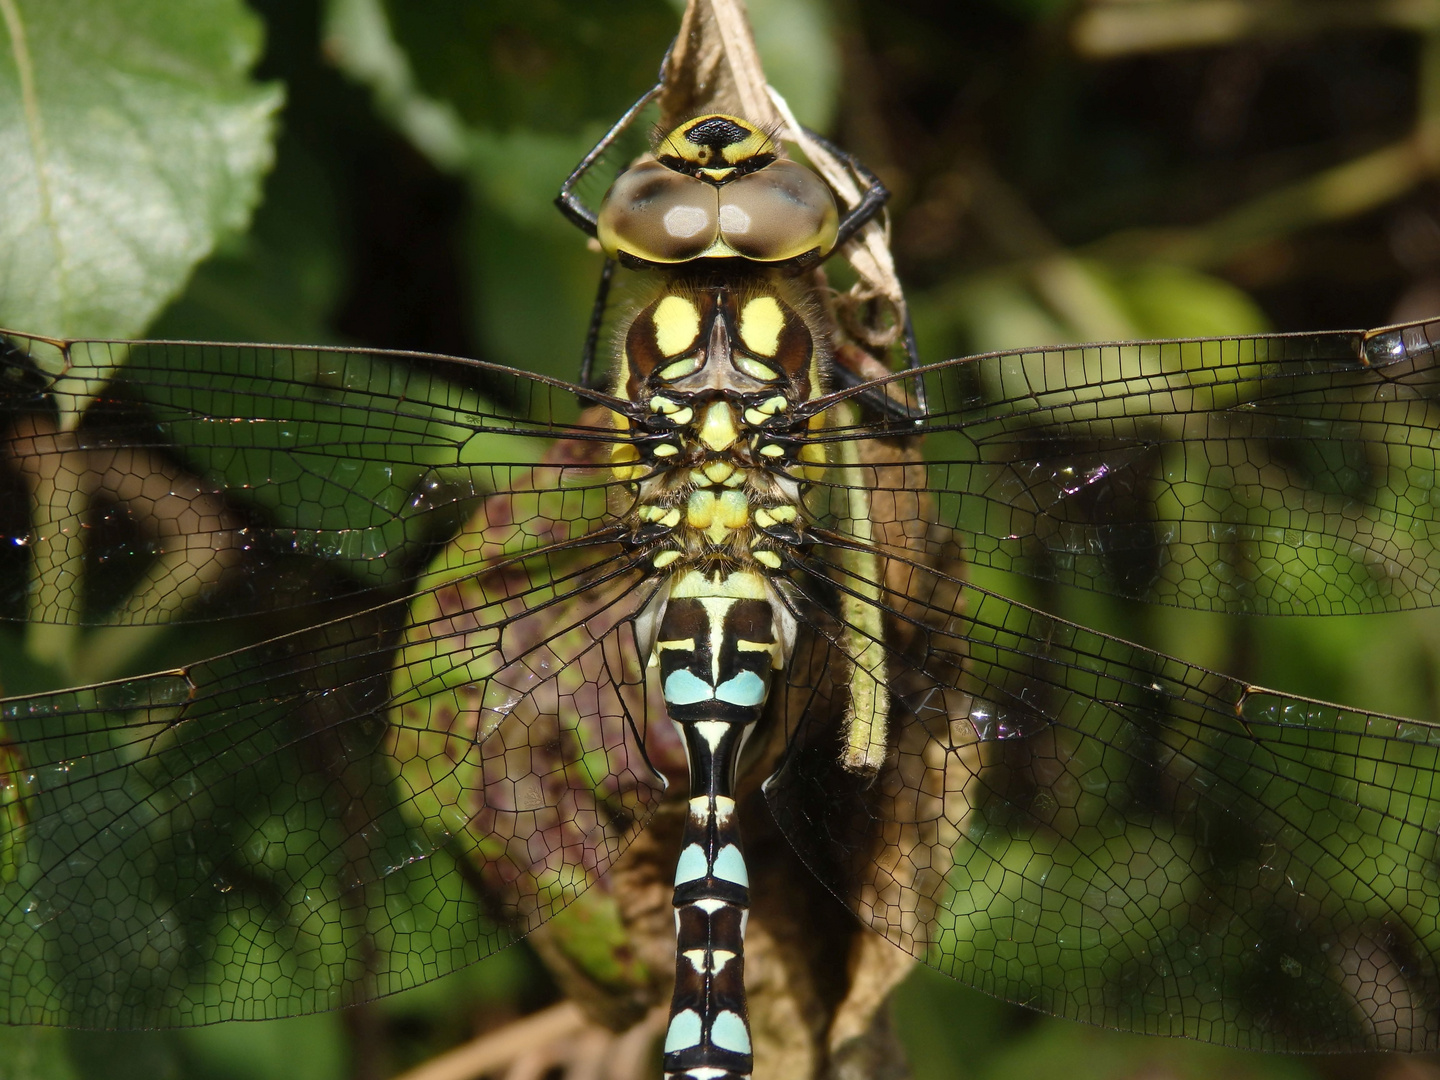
(568, 202)
(873, 193)
(597, 319)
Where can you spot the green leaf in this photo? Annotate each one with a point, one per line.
(310, 1046)
(34, 1054)
(800, 49)
(1176, 301)
(281, 280)
(538, 65)
(134, 139)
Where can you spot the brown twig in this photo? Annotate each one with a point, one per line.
(560, 1037)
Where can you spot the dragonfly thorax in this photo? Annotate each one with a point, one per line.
(723, 333)
(715, 368)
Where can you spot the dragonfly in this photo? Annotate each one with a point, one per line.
(730, 580)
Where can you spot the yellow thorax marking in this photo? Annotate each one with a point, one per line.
(623, 459)
(680, 369)
(761, 321)
(669, 516)
(737, 585)
(672, 410)
(718, 515)
(768, 516)
(677, 324)
(718, 471)
(765, 410)
(717, 429)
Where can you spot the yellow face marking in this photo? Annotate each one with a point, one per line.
(717, 429)
(677, 325)
(761, 321)
(755, 143)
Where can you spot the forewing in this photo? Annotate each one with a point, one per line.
(1274, 474)
(209, 480)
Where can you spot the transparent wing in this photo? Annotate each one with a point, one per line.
(1084, 826)
(334, 814)
(154, 482)
(1271, 474)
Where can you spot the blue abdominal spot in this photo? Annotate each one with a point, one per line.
(683, 688)
(747, 688)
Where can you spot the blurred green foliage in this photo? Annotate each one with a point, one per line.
(408, 206)
(101, 103)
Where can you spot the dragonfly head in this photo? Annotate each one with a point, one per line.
(717, 187)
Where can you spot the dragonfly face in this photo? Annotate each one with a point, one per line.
(735, 540)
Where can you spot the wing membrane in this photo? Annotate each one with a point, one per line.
(289, 828)
(208, 480)
(1272, 474)
(1082, 825)
(1060, 818)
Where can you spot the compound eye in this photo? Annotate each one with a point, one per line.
(778, 213)
(657, 215)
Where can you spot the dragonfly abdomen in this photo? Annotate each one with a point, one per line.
(717, 647)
